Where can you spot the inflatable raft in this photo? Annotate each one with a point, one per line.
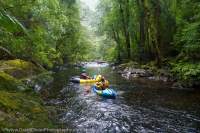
(107, 93)
(78, 80)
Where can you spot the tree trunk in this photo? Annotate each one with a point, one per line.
(125, 22)
(142, 28)
(117, 40)
(158, 34)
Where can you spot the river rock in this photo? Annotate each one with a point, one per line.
(177, 85)
(126, 75)
(134, 72)
(159, 78)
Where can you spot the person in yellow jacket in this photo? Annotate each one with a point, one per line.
(98, 78)
(102, 83)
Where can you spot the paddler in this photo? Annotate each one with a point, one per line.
(84, 75)
(102, 83)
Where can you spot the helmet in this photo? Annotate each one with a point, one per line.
(83, 70)
(99, 78)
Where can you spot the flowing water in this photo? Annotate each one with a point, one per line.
(141, 106)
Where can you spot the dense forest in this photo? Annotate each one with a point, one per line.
(35, 36)
(46, 32)
(162, 33)
(47, 44)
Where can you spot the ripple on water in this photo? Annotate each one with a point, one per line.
(86, 110)
(110, 115)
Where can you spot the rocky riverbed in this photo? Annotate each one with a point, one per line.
(133, 70)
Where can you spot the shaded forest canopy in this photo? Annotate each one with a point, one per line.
(46, 31)
(146, 30)
(163, 33)
(143, 38)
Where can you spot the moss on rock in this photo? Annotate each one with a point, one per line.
(19, 68)
(19, 110)
(10, 83)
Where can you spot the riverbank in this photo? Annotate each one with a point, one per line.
(177, 75)
(20, 104)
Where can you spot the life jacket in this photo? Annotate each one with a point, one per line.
(106, 84)
(102, 85)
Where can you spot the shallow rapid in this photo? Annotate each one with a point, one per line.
(140, 106)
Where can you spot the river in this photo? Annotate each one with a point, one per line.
(139, 107)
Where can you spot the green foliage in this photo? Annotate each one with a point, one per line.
(107, 50)
(49, 31)
(45, 31)
(188, 73)
(187, 38)
(157, 29)
(10, 23)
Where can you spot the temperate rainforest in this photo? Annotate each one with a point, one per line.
(100, 66)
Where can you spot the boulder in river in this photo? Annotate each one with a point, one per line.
(135, 72)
